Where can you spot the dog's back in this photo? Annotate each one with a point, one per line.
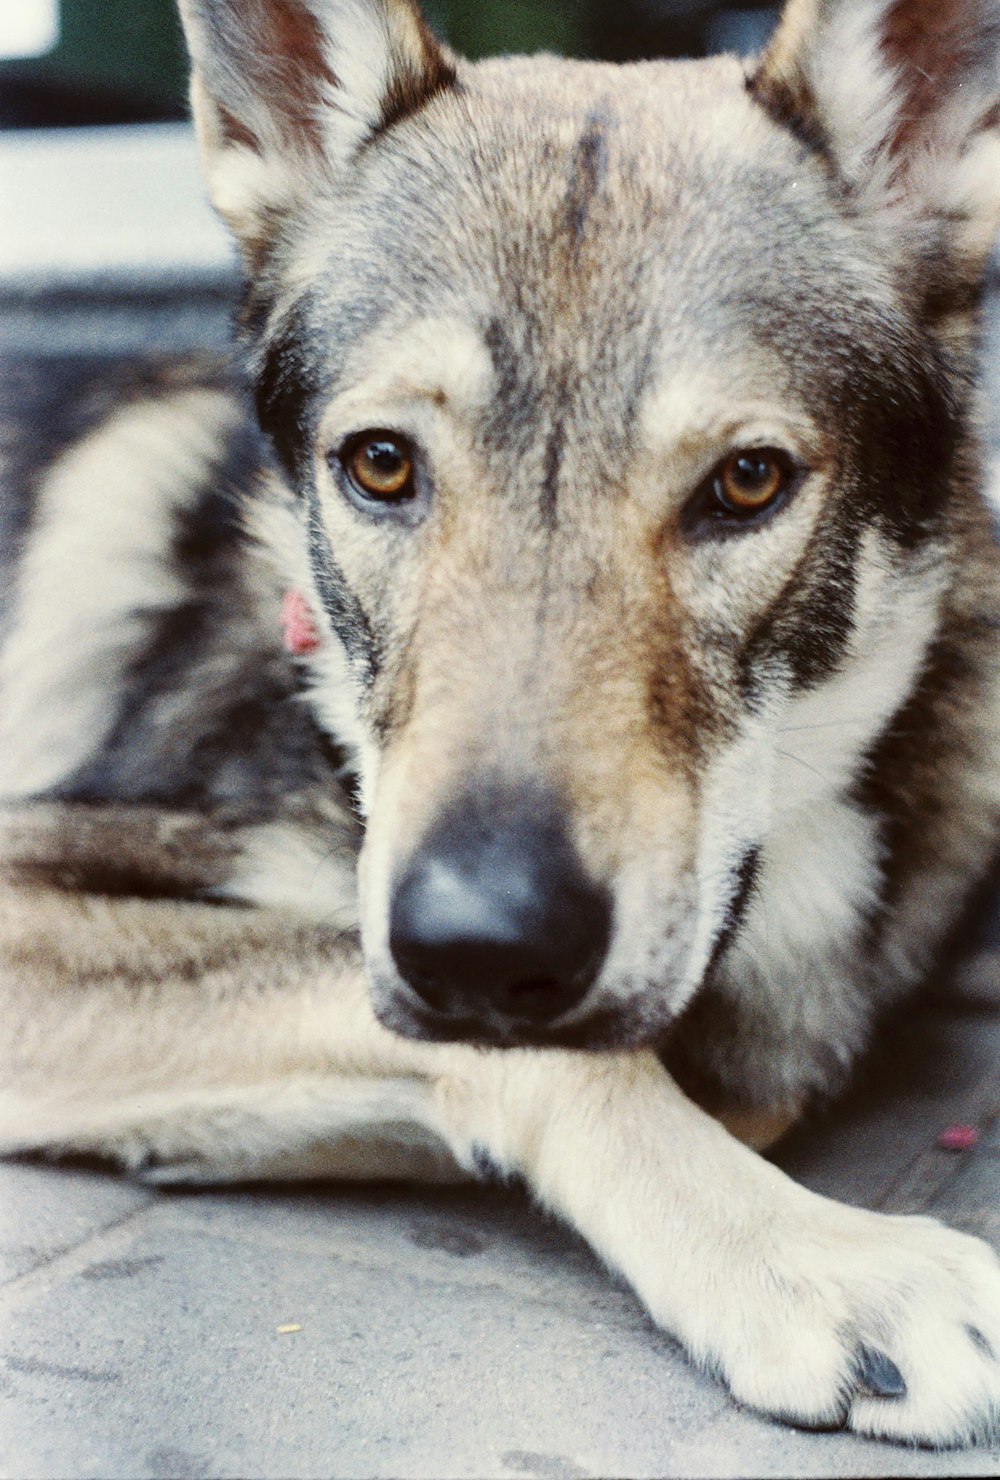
(142, 666)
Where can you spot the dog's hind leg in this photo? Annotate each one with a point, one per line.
(141, 662)
(98, 570)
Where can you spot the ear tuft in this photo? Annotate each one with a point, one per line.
(903, 97)
(284, 92)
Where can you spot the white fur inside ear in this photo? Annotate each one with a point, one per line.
(969, 192)
(243, 186)
(856, 90)
(244, 183)
(926, 156)
(359, 54)
(286, 140)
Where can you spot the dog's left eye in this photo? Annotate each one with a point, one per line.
(749, 484)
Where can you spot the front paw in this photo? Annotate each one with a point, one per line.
(888, 1326)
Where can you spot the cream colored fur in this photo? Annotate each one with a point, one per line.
(136, 1037)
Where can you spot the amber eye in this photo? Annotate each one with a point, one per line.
(749, 480)
(380, 465)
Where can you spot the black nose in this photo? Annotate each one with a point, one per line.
(495, 916)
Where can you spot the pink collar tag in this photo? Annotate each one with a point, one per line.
(298, 625)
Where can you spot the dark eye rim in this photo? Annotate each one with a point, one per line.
(709, 515)
(340, 459)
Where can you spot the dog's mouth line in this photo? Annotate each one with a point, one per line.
(597, 1031)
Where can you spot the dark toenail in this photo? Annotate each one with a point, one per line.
(979, 1340)
(878, 1375)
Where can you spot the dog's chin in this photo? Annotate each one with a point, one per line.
(601, 1031)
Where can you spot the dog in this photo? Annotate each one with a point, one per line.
(634, 744)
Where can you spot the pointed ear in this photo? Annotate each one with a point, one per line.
(904, 97)
(285, 91)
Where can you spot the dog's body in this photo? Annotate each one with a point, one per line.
(627, 453)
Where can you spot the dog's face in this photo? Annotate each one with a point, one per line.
(622, 404)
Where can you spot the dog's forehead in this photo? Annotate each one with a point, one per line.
(572, 176)
(591, 219)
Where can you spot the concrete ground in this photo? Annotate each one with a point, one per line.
(436, 1334)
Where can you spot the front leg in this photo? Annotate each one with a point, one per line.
(815, 1312)
(196, 1044)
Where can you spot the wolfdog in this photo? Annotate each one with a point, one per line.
(635, 742)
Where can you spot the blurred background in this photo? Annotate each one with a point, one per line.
(77, 62)
(107, 244)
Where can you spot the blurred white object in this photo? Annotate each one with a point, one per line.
(125, 203)
(28, 28)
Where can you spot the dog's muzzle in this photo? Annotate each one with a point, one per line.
(494, 924)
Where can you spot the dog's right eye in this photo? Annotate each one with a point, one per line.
(742, 491)
(379, 466)
(749, 482)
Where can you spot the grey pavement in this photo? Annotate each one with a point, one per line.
(440, 1333)
(149, 270)
(439, 1336)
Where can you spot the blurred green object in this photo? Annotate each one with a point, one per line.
(479, 28)
(120, 61)
(127, 47)
(115, 61)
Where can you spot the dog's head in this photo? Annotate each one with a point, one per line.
(626, 407)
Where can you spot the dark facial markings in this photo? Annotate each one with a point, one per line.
(744, 881)
(513, 423)
(347, 616)
(807, 629)
(903, 766)
(898, 406)
(587, 175)
(284, 387)
(554, 448)
(900, 437)
(907, 434)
